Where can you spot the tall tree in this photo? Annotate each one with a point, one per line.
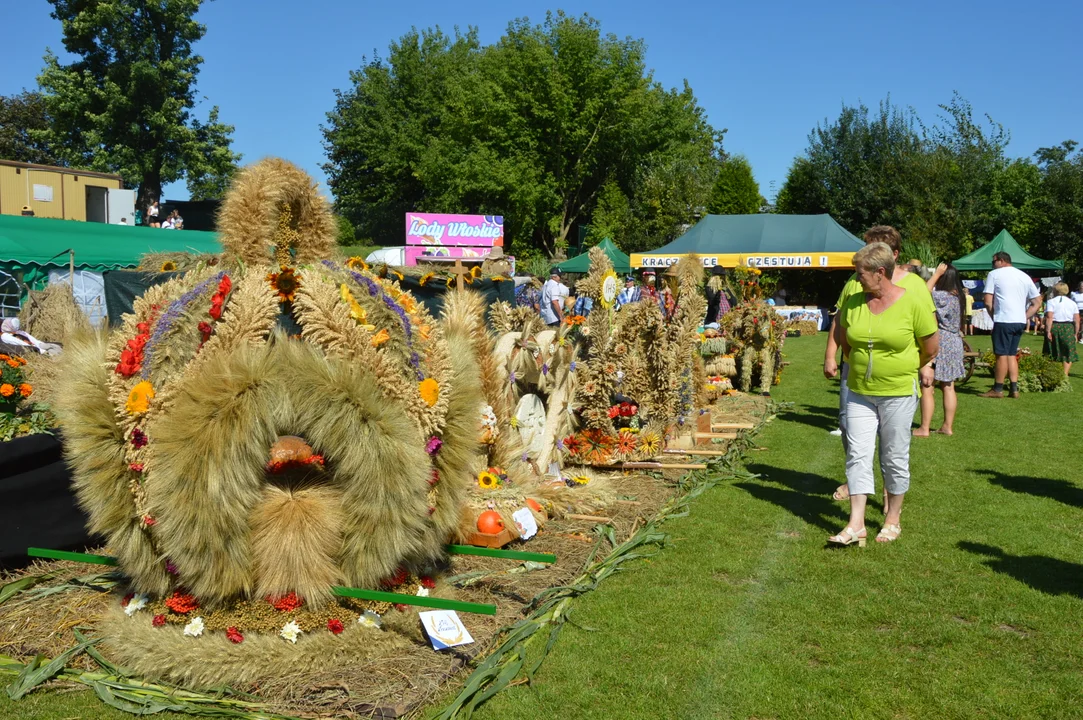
(1058, 208)
(735, 190)
(23, 121)
(125, 104)
(858, 168)
(531, 128)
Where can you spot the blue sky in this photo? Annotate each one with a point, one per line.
(766, 71)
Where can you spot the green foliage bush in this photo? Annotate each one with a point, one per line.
(1037, 373)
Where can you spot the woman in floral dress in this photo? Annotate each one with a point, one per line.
(947, 291)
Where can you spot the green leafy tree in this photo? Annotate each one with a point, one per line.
(735, 190)
(859, 169)
(24, 119)
(125, 104)
(1057, 211)
(533, 128)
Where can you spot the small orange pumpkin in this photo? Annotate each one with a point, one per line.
(490, 522)
(533, 505)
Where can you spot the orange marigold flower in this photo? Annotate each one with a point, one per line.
(7, 390)
(380, 338)
(430, 391)
(139, 398)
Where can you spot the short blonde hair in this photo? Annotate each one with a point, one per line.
(876, 255)
(1060, 288)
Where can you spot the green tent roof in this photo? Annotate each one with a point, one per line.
(29, 242)
(763, 233)
(982, 258)
(581, 263)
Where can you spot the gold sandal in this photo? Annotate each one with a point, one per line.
(849, 536)
(889, 533)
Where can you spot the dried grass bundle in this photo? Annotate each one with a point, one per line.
(52, 315)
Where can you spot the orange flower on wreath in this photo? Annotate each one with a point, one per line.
(285, 282)
(139, 398)
(25, 389)
(626, 443)
(380, 338)
(430, 391)
(7, 390)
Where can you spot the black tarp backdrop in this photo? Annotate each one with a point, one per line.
(37, 505)
(122, 287)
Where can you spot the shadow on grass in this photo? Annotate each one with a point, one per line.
(1059, 490)
(808, 498)
(1043, 573)
(818, 416)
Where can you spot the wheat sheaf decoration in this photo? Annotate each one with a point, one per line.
(259, 431)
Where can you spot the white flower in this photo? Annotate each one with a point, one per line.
(370, 619)
(138, 602)
(422, 592)
(290, 631)
(194, 628)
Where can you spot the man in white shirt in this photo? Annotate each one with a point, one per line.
(552, 299)
(1013, 299)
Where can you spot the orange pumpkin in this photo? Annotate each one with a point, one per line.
(533, 505)
(490, 523)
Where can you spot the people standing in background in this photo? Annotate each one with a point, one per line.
(1061, 327)
(553, 293)
(649, 289)
(529, 294)
(1078, 298)
(629, 294)
(947, 292)
(717, 302)
(152, 215)
(1012, 299)
(968, 328)
(667, 302)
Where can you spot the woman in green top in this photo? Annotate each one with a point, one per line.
(888, 334)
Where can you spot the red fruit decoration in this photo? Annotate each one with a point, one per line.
(490, 522)
(533, 505)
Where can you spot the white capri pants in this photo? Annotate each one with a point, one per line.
(889, 418)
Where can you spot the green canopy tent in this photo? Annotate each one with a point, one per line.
(581, 263)
(31, 246)
(764, 240)
(982, 258)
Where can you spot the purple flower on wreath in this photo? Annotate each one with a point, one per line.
(433, 446)
(545, 368)
(171, 315)
(171, 568)
(560, 444)
(139, 438)
(525, 458)
(572, 366)
(511, 377)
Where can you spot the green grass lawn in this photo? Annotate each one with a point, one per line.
(977, 611)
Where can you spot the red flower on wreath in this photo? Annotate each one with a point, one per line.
(613, 412)
(181, 602)
(572, 444)
(287, 602)
(126, 599)
(335, 626)
(139, 438)
(131, 358)
(158, 621)
(400, 607)
(234, 635)
(427, 582)
(397, 579)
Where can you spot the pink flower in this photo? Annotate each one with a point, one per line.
(434, 445)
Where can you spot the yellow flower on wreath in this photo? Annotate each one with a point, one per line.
(356, 311)
(408, 303)
(580, 479)
(168, 266)
(285, 282)
(139, 398)
(488, 480)
(607, 289)
(357, 263)
(425, 278)
(430, 391)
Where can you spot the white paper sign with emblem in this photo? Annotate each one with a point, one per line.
(444, 629)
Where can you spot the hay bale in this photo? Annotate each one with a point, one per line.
(52, 315)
